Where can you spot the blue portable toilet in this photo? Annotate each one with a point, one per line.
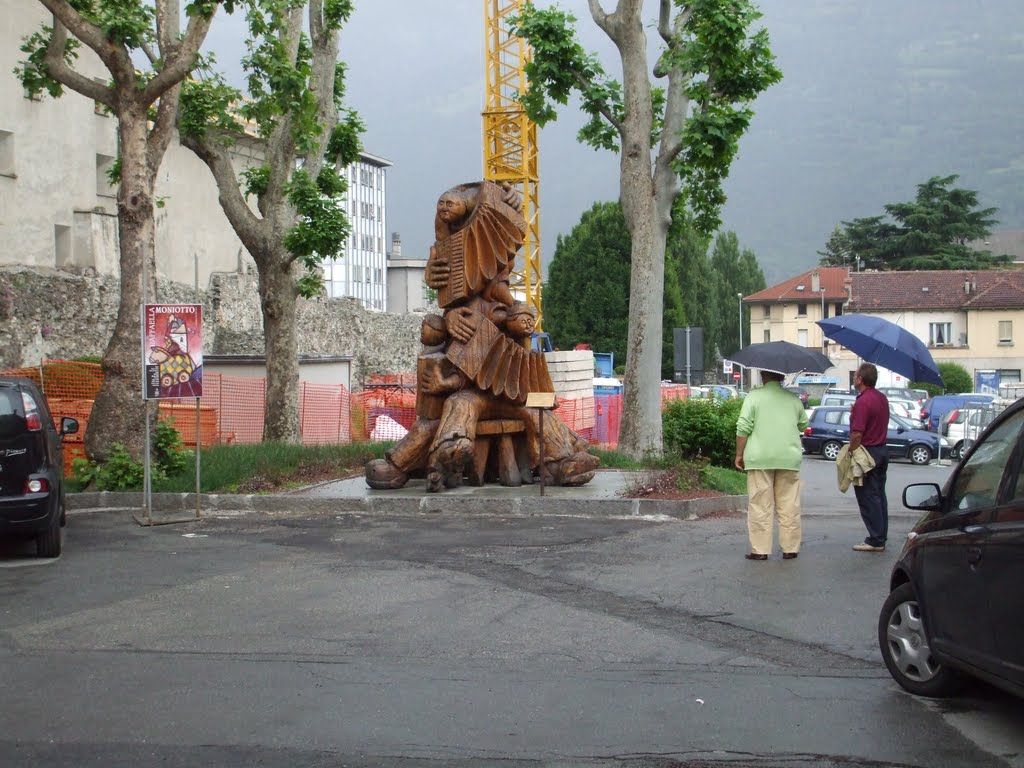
(604, 365)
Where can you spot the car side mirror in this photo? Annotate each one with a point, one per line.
(925, 496)
(68, 425)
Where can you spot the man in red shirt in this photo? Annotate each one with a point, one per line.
(869, 426)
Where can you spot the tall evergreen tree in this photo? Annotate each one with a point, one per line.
(586, 295)
(930, 232)
(736, 272)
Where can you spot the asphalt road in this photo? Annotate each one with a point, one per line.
(336, 639)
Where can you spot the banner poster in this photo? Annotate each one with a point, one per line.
(172, 348)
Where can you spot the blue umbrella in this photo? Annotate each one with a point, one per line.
(881, 341)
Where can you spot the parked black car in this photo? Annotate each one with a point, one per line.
(31, 466)
(955, 602)
(829, 430)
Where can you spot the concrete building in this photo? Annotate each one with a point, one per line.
(972, 318)
(58, 209)
(407, 291)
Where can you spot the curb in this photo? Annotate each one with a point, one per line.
(232, 504)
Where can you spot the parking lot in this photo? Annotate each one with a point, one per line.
(332, 638)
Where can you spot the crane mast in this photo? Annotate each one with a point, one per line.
(510, 137)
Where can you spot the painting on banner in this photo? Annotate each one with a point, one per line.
(172, 351)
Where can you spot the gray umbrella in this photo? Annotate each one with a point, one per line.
(781, 357)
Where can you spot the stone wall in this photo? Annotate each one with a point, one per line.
(51, 314)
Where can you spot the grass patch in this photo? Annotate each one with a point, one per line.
(728, 481)
(265, 467)
(611, 459)
(270, 467)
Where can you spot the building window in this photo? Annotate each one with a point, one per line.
(801, 310)
(62, 245)
(767, 335)
(6, 153)
(1006, 331)
(939, 333)
(801, 337)
(767, 310)
(104, 164)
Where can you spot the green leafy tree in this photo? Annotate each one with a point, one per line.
(294, 99)
(146, 54)
(737, 274)
(586, 299)
(930, 232)
(680, 131)
(688, 271)
(956, 378)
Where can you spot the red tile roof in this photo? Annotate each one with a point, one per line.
(938, 289)
(832, 279)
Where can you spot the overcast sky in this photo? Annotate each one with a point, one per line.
(416, 77)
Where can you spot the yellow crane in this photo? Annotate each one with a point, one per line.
(510, 137)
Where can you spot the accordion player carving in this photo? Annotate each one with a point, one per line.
(477, 366)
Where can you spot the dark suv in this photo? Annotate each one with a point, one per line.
(955, 602)
(31, 466)
(829, 430)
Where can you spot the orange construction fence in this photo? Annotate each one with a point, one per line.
(231, 409)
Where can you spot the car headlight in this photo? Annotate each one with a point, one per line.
(943, 441)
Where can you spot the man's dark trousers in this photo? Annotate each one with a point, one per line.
(874, 507)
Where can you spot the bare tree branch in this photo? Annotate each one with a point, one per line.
(664, 19)
(325, 54)
(114, 56)
(677, 105)
(182, 61)
(316, 19)
(163, 128)
(601, 17)
(150, 53)
(213, 150)
(59, 70)
(168, 26)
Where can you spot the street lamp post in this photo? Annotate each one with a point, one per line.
(740, 297)
(824, 341)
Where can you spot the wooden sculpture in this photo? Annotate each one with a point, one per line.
(477, 365)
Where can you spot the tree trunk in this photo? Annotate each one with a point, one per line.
(119, 403)
(641, 393)
(279, 300)
(642, 192)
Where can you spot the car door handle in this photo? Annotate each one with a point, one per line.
(973, 555)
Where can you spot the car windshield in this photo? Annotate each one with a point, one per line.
(899, 421)
(11, 423)
(977, 483)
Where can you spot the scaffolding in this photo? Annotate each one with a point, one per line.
(510, 137)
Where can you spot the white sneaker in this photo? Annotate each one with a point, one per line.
(865, 547)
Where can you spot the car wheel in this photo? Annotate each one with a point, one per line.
(904, 645)
(830, 450)
(920, 454)
(48, 542)
(958, 451)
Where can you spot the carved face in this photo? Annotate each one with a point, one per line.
(451, 209)
(521, 325)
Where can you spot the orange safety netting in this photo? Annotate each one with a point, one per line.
(231, 409)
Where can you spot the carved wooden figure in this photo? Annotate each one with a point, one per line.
(477, 365)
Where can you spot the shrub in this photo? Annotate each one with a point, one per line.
(120, 472)
(702, 428)
(954, 376)
(169, 454)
